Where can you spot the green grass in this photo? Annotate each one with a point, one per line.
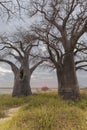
(45, 111)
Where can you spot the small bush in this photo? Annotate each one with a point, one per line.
(44, 88)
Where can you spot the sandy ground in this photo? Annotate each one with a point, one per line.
(10, 113)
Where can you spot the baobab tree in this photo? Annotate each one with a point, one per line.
(64, 22)
(19, 55)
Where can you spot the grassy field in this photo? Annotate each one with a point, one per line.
(45, 111)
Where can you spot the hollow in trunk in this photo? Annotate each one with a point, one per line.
(21, 83)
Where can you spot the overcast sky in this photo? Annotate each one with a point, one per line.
(40, 77)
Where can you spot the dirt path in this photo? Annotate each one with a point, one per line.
(10, 114)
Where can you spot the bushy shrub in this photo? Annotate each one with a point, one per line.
(44, 88)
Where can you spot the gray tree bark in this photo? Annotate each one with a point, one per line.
(22, 80)
(21, 84)
(68, 86)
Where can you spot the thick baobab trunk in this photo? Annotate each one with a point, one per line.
(60, 80)
(22, 80)
(21, 84)
(67, 80)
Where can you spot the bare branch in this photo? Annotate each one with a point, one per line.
(35, 66)
(80, 61)
(11, 46)
(69, 12)
(81, 67)
(13, 66)
(16, 57)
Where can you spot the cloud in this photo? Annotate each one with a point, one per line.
(82, 74)
(3, 70)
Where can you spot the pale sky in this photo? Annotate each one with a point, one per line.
(40, 77)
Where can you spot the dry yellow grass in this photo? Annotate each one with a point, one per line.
(46, 111)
